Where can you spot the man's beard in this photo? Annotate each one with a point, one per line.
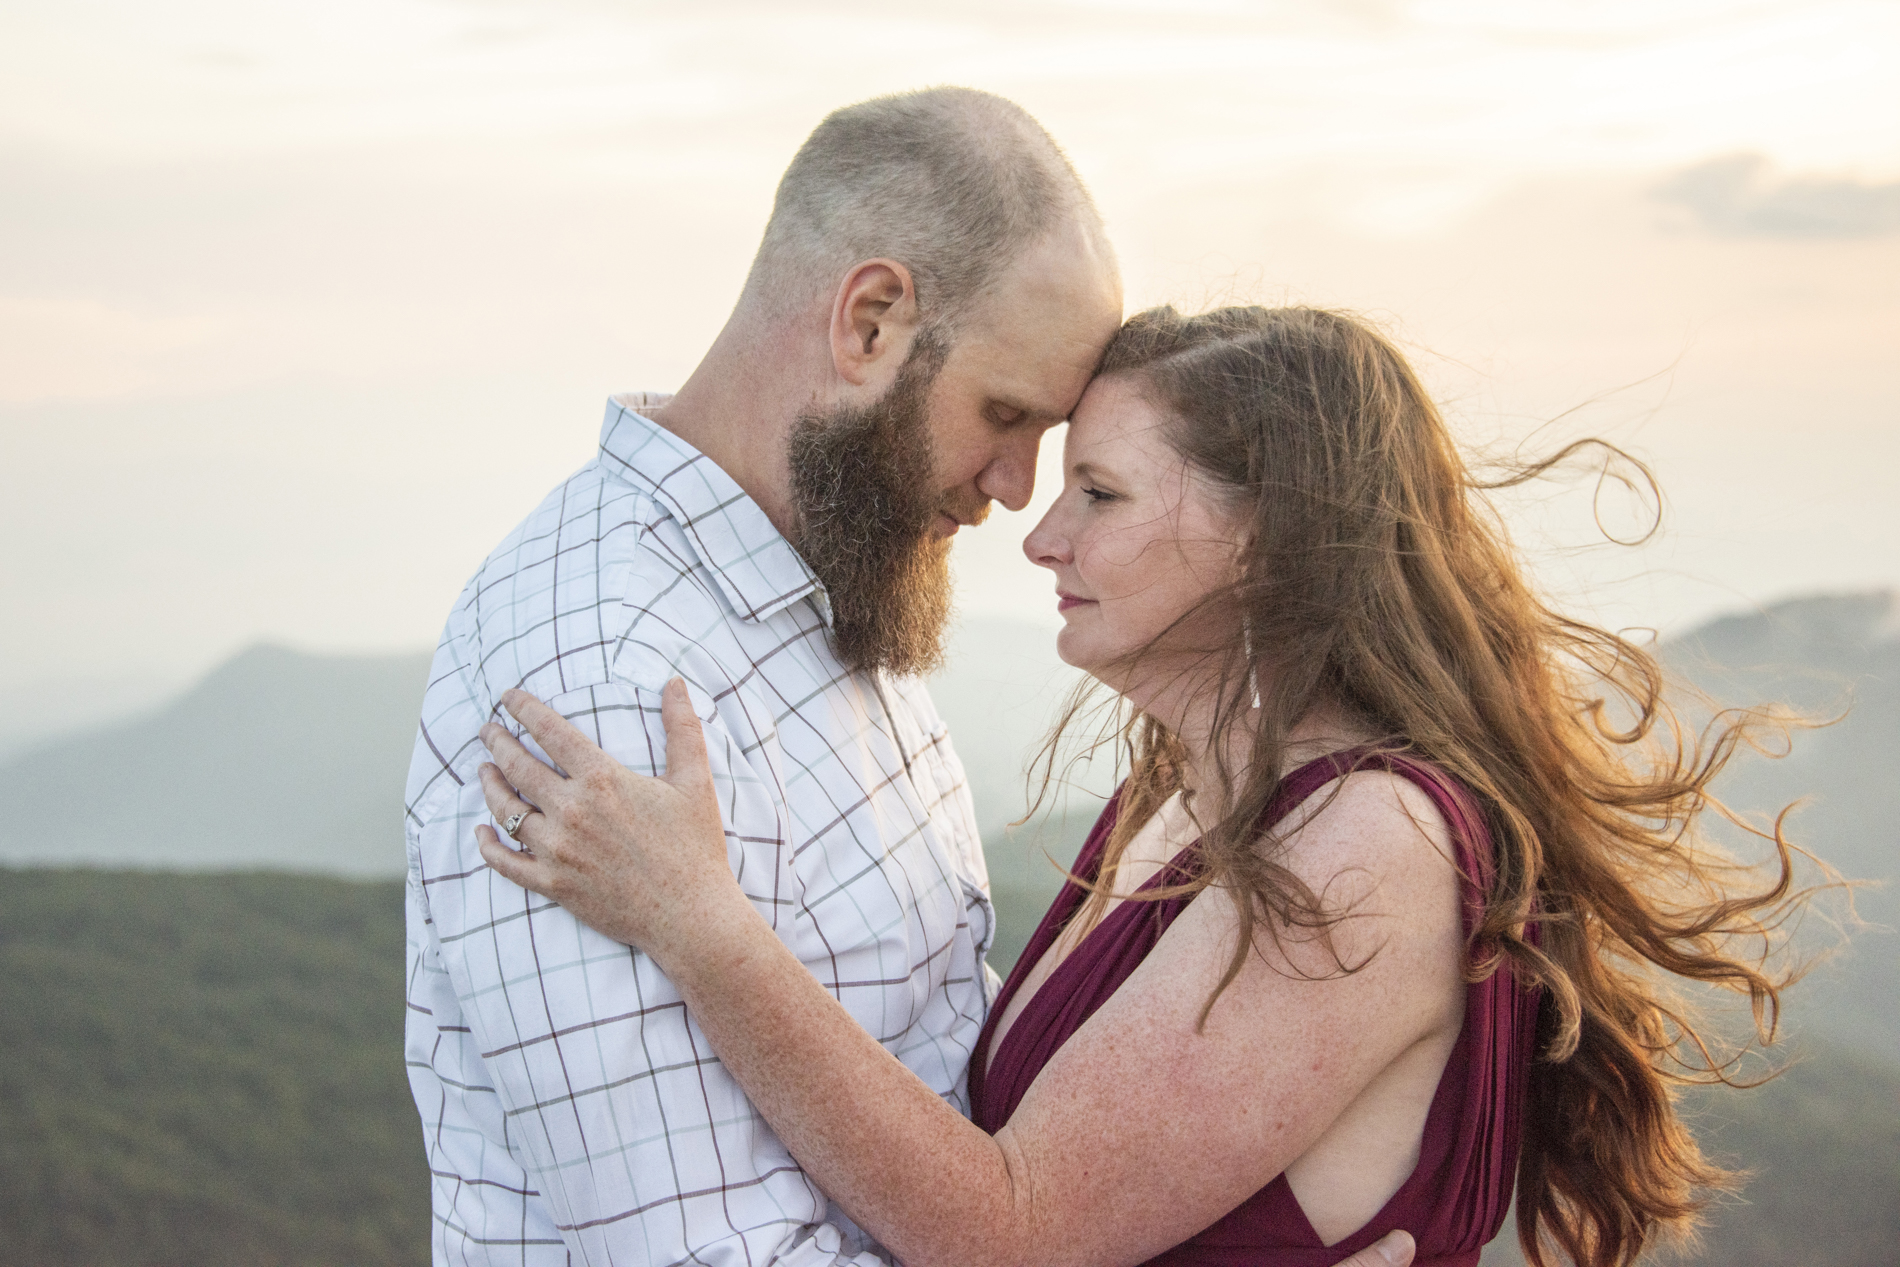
(866, 498)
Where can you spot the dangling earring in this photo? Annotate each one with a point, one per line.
(1246, 647)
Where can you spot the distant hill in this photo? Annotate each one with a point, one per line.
(276, 759)
(1822, 656)
(283, 759)
(296, 762)
(216, 1068)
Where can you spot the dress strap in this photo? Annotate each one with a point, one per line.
(1302, 781)
(1470, 834)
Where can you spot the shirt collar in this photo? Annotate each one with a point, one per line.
(757, 568)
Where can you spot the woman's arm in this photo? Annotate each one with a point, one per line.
(1141, 1130)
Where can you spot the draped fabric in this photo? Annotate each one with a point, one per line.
(1455, 1199)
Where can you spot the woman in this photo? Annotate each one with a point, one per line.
(1370, 928)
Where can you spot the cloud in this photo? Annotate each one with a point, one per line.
(1738, 194)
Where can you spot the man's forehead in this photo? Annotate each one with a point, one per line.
(1037, 358)
(1040, 374)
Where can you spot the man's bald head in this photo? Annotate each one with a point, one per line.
(952, 183)
(931, 295)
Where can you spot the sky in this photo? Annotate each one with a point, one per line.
(303, 306)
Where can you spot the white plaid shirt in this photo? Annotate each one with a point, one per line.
(573, 1111)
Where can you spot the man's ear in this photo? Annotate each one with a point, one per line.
(873, 317)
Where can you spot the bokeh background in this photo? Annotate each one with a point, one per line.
(302, 306)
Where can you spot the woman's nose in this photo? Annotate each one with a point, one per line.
(1046, 546)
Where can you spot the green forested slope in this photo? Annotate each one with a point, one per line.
(207, 1069)
(204, 1070)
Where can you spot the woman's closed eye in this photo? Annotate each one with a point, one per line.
(1097, 494)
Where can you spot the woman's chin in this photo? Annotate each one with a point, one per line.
(1074, 649)
(1071, 648)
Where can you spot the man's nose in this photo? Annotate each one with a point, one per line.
(1010, 477)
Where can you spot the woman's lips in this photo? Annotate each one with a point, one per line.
(1065, 601)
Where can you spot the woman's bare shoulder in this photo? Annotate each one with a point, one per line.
(1375, 846)
(1368, 817)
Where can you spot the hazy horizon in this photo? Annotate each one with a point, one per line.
(302, 308)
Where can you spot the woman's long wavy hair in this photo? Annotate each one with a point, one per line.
(1373, 576)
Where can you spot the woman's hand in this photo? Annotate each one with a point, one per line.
(642, 860)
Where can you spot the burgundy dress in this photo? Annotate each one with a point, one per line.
(1456, 1198)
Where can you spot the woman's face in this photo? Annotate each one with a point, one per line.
(1137, 537)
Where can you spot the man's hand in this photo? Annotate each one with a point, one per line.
(1394, 1249)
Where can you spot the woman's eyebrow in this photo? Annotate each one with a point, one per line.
(1085, 471)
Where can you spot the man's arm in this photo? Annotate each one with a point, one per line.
(568, 1101)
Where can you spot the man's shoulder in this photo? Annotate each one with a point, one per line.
(589, 517)
(507, 612)
(549, 592)
(594, 582)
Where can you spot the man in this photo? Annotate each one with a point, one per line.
(931, 294)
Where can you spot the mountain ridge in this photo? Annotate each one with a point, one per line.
(275, 759)
(283, 760)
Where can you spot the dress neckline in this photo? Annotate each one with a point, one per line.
(1291, 793)
(1072, 898)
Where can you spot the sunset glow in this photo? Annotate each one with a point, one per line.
(345, 273)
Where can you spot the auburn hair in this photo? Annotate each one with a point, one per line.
(1374, 576)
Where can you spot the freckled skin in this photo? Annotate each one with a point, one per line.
(1144, 1128)
(1135, 538)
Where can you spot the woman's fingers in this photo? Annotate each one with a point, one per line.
(522, 768)
(515, 865)
(504, 802)
(622, 852)
(556, 735)
(686, 765)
